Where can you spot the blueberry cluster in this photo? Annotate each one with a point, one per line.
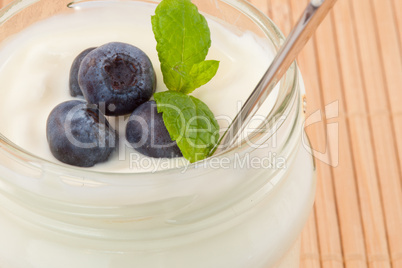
(115, 79)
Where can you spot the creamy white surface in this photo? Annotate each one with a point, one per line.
(35, 66)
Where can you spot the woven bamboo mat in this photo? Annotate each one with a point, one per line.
(353, 74)
(353, 65)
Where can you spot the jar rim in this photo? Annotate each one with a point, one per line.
(284, 102)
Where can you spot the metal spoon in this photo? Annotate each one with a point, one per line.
(301, 33)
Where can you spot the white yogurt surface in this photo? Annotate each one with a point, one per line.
(35, 64)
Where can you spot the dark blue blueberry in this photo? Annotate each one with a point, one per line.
(79, 135)
(147, 133)
(117, 76)
(75, 89)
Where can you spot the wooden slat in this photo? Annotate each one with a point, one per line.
(391, 55)
(309, 254)
(391, 65)
(397, 16)
(4, 2)
(351, 225)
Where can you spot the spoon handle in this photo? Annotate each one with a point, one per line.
(301, 33)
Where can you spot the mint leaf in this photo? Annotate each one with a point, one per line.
(189, 122)
(183, 40)
(202, 72)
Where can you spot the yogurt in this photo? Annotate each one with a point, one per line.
(36, 64)
(245, 210)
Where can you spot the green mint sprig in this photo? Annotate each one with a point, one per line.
(183, 40)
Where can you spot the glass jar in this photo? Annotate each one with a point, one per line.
(244, 208)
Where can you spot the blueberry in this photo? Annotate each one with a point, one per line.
(117, 76)
(147, 133)
(75, 89)
(79, 135)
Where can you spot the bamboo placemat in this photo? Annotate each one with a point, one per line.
(352, 69)
(355, 62)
